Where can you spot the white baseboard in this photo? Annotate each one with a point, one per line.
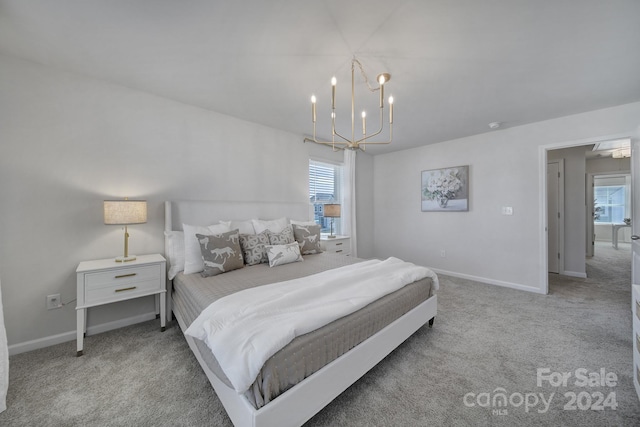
(71, 335)
(575, 274)
(23, 347)
(490, 281)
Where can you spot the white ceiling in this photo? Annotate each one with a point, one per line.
(456, 65)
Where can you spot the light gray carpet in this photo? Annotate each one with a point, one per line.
(485, 337)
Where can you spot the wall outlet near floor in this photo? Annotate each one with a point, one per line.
(443, 253)
(53, 302)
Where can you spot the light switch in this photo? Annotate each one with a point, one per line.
(507, 210)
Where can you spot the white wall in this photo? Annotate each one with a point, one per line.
(69, 142)
(505, 168)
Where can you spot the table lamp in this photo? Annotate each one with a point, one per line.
(125, 212)
(331, 211)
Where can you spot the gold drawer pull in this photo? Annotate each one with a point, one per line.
(126, 289)
(126, 275)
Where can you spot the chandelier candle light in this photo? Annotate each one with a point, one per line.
(353, 143)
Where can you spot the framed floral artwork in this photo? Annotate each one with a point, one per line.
(445, 190)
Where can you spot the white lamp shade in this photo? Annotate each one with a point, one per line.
(331, 210)
(125, 212)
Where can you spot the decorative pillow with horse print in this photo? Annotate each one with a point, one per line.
(220, 252)
(308, 236)
(283, 254)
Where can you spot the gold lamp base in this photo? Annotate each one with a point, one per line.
(331, 236)
(126, 257)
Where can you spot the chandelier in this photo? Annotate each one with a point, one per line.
(353, 143)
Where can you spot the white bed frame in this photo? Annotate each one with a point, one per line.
(301, 402)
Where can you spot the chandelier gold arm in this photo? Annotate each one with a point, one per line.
(353, 143)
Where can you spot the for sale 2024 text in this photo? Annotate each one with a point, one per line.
(583, 400)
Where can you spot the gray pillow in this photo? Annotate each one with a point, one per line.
(308, 237)
(282, 238)
(220, 252)
(253, 247)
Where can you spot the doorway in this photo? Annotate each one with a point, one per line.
(580, 161)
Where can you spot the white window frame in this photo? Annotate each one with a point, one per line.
(336, 194)
(625, 188)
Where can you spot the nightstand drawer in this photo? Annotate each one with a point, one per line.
(636, 376)
(335, 246)
(120, 276)
(339, 244)
(635, 301)
(121, 284)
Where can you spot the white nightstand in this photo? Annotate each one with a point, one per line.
(105, 281)
(338, 244)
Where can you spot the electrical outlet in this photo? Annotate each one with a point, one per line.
(443, 253)
(507, 210)
(53, 302)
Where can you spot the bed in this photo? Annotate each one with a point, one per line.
(313, 369)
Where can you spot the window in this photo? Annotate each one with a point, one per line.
(610, 200)
(325, 183)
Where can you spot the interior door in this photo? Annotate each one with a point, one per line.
(591, 236)
(553, 212)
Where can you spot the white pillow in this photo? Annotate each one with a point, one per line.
(192, 256)
(303, 223)
(245, 227)
(275, 226)
(283, 254)
(175, 252)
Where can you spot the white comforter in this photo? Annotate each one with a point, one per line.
(246, 328)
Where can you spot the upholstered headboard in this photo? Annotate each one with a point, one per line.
(207, 212)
